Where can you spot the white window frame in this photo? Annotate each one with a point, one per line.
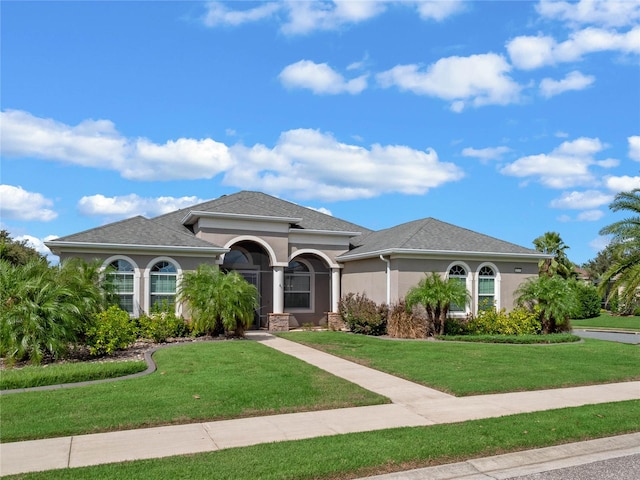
(136, 280)
(147, 283)
(468, 282)
(496, 286)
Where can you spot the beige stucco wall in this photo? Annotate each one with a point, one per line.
(365, 276)
(278, 242)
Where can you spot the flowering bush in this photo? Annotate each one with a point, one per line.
(519, 321)
(112, 330)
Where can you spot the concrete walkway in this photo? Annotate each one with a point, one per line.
(413, 405)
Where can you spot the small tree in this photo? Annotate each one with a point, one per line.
(436, 295)
(551, 243)
(218, 301)
(554, 298)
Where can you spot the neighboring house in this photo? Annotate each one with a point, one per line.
(302, 261)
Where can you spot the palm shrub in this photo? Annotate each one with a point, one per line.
(553, 298)
(436, 295)
(363, 315)
(39, 313)
(218, 301)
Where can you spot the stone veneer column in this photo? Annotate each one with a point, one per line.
(279, 322)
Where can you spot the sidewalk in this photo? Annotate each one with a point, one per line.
(413, 405)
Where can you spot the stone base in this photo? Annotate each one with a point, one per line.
(279, 322)
(335, 321)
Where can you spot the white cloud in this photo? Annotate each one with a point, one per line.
(565, 167)
(572, 81)
(304, 17)
(320, 78)
(311, 164)
(477, 80)
(97, 144)
(38, 244)
(588, 199)
(634, 147)
(218, 14)
(590, 216)
(609, 13)
(20, 204)
(125, 206)
(530, 52)
(326, 211)
(486, 154)
(439, 10)
(599, 243)
(624, 183)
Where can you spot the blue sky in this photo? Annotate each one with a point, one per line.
(507, 118)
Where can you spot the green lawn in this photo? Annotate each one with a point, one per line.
(196, 382)
(473, 369)
(607, 321)
(363, 454)
(54, 374)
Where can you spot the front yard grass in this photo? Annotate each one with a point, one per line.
(54, 374)
(474, 369)
(611, 322)
(195, 382)
(363, 454)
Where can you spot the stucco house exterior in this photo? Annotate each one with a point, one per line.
(302, 261)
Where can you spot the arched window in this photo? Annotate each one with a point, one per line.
(121, 275)
(297, 285)
(162, 288)
(486, 288)
(458, 274)
(237, 257)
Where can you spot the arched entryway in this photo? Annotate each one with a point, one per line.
(251, 260)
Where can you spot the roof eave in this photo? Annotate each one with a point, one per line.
(441, 253)
(56, 247)
(191, 217)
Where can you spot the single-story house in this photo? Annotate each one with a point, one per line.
(302, 261)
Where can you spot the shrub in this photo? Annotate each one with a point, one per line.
(160, 325)
(457, 326)
(588, 301)
(112, 330)
(362, 315)
(406, 324)
(519, 321)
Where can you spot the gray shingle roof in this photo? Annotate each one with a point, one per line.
(257, 203)
(431, 235)
(136, 231)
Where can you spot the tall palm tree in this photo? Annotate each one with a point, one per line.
(551, 243)
(437, 295)
(218, 301)
(623, 277)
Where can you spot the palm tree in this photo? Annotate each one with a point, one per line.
(552, 244)
(623, 277)
(437, 295)
(554, 299)
(218, 301)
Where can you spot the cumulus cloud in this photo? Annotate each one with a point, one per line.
(588, 199)
(320, 78)
(634, 147)
(566, 166)
(125, 206)
(312, 164)
(38, 245)
(476, 80)
(595, 12)
(97, 144)
(624, 183)
(19, 204)
(218, 14)
(304, 163)
(304, 17)
(590, 216)
(485, 154)
(572, 81)
(530, 52)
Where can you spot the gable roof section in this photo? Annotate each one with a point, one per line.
(262, 205)
(431, 236)
(135, 233)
